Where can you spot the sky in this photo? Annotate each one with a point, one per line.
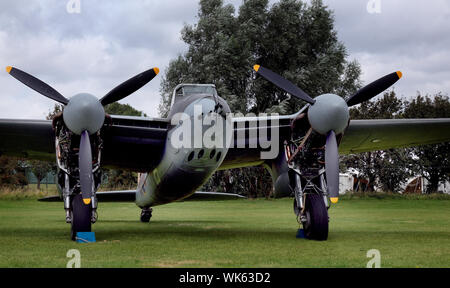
(110, 41)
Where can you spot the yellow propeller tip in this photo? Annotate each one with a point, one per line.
(87, 201)
(8, 69)
(156, 69)
(256, 67)
(334, 200)
(399, 74)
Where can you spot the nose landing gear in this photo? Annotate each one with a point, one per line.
(146, 214)
(307, 177)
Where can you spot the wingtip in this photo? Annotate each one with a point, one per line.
(156, 69)
(8, 69)
(399, 74)
(256, 67)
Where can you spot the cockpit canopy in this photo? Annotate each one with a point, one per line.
(182, 91)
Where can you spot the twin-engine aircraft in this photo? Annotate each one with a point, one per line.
(178, 154)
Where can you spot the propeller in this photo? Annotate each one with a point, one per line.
(130, 86)
(332, 166)
(85, 167)
(373, 89)
(37, 85)
(328, 114)
(84, 115)
(283, 83)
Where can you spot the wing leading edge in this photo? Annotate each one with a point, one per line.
(371, 135)
(134, 143)
(143, 139)
(360, 136)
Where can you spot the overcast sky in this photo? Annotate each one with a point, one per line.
(111, 41)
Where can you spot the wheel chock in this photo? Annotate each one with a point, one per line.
(300, 234)
(85, 237)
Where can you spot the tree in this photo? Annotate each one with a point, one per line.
(122, 109)
(294, 39)
(389, 168)
(12, 173)
(433, 161)
(300, 43)
(40, 169)
(57, 109)
(121, 178)
(393, 168)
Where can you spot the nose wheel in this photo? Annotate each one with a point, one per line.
(81, 216)
(146, 214)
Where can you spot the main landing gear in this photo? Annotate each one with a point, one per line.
(80, 213)
(307, 177)
(146, 214)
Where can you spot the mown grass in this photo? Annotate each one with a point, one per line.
(28, 192)
(238, 233)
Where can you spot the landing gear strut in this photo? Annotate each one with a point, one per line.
(79, 214)
(146, 214)
(307, 177)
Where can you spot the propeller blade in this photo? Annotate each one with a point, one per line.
(37, 85)
(130, 86)
(283, 83)
(85, 167)
(373, 89)
(332, 166)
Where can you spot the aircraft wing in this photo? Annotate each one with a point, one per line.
(134, 143)
(248, 127)
(360, 136)
(32, 139)
(371, 135)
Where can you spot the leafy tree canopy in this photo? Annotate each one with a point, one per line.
(294, 39)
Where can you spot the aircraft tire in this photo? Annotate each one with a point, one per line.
(146, 214)
(81, 216)
(316, 226)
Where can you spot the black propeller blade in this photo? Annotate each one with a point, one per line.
(37, 85)
(332, 166)
(85, 167)
(130, 86)
(283, 83)
(373, 89)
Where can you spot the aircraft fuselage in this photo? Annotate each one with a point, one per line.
(184, 169)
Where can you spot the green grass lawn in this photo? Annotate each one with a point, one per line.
(239, 233)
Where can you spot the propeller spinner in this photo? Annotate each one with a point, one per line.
(328, 115)
(84, 115)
